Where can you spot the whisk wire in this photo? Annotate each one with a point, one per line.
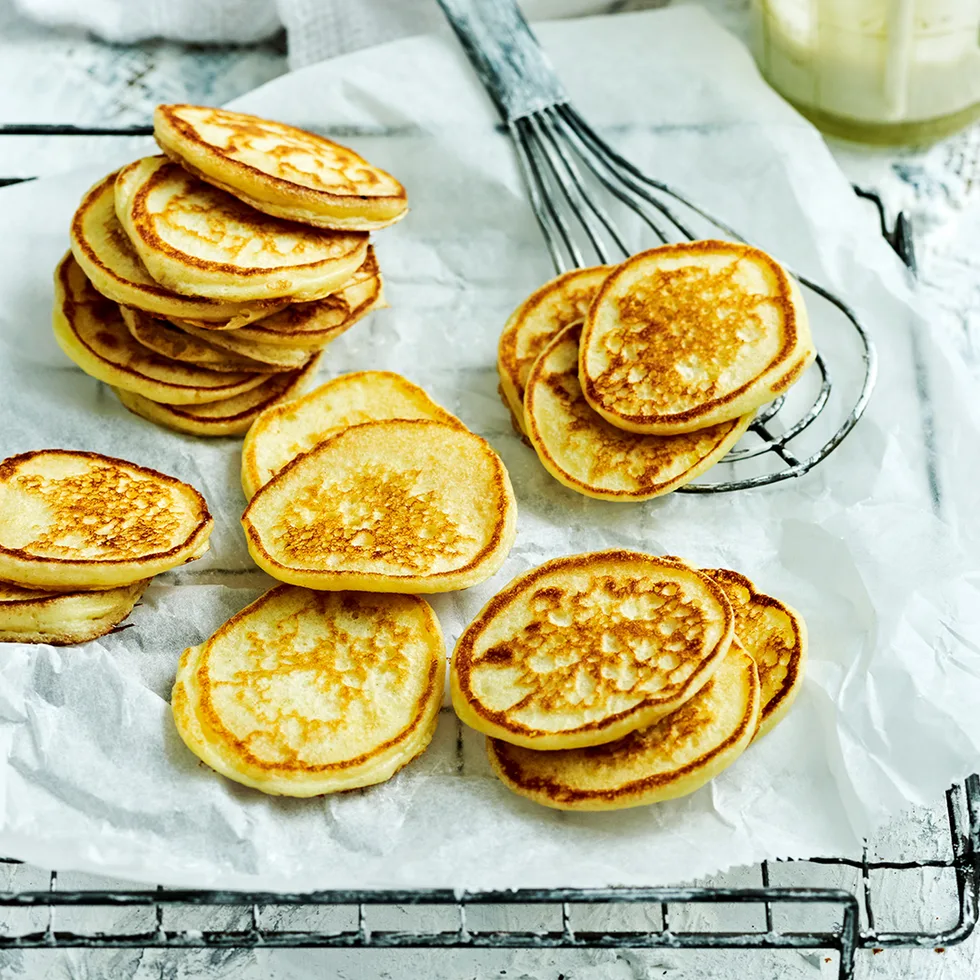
(631, 178)
(541, 204)
(609, 183)
(554, 148)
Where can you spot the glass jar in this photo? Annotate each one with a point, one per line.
(877, 71)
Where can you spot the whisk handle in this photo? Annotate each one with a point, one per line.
(506, 55)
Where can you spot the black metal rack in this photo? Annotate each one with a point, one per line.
(561, 918)
(759, 915)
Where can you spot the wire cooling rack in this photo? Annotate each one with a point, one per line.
(840, 904)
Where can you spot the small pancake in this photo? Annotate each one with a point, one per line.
(280, 434)
(271, 355)
(774, 635)
(279, 169)
(303, 692)
(585, 649)
(536, 322)
(394, 506)
(686, 336)
(63, 618)
(366, 273)
(309, 326)
(518, 428)
(90, 329)
(165, 339)
(108, 258)
(673, 758)
(583, 451)
(228, 417)
(200, 241)
(76, 520)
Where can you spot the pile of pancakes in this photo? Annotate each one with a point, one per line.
(618, 679)
(630, 381)
(81, 535)
(363, 494)
(203, 284)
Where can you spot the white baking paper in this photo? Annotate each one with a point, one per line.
(93, 774)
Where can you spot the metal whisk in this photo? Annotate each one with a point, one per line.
(569, 169)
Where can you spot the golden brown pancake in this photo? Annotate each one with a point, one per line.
(514, 424)
(279, 169)
(686, 336)
(108, 258)
(271, 355)
(200, 241)
(774, 635)
(673, 758)
(396, 506)
(90, 329)
(307, 312)
(310, 326)
(303, 692)
(583, 451)
(76, 520)
(228, 417)
(165, 339)
(63, 618)
(585, 649)
(280, 434)
(536, 322)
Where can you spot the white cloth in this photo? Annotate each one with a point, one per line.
(123, 21)
(315, 29)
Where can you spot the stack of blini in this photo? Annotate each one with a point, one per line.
(203, 284)
(81, 535)
(363, 494)
(617, 679)
(630, 381)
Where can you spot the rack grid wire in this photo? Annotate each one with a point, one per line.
(566, 917)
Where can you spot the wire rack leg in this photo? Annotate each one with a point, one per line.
(849, 938)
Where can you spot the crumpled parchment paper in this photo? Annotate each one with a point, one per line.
(873, 546)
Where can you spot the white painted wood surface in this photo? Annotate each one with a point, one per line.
(68, 77)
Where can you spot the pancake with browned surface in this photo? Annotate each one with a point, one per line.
(165, 339)
(686, 336)
(312, 315)
(583, 451)
(673, 758)
(535, 324)
(228, 417)
(90, 329)
(75, 520)
(108, 258)
(309, 326)
(304, 692)
(271, 355)
(279, 169)
(395, 506)
(774, 635)
(63, 618)
(200, 241)
(280, 434)
(585, 649)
